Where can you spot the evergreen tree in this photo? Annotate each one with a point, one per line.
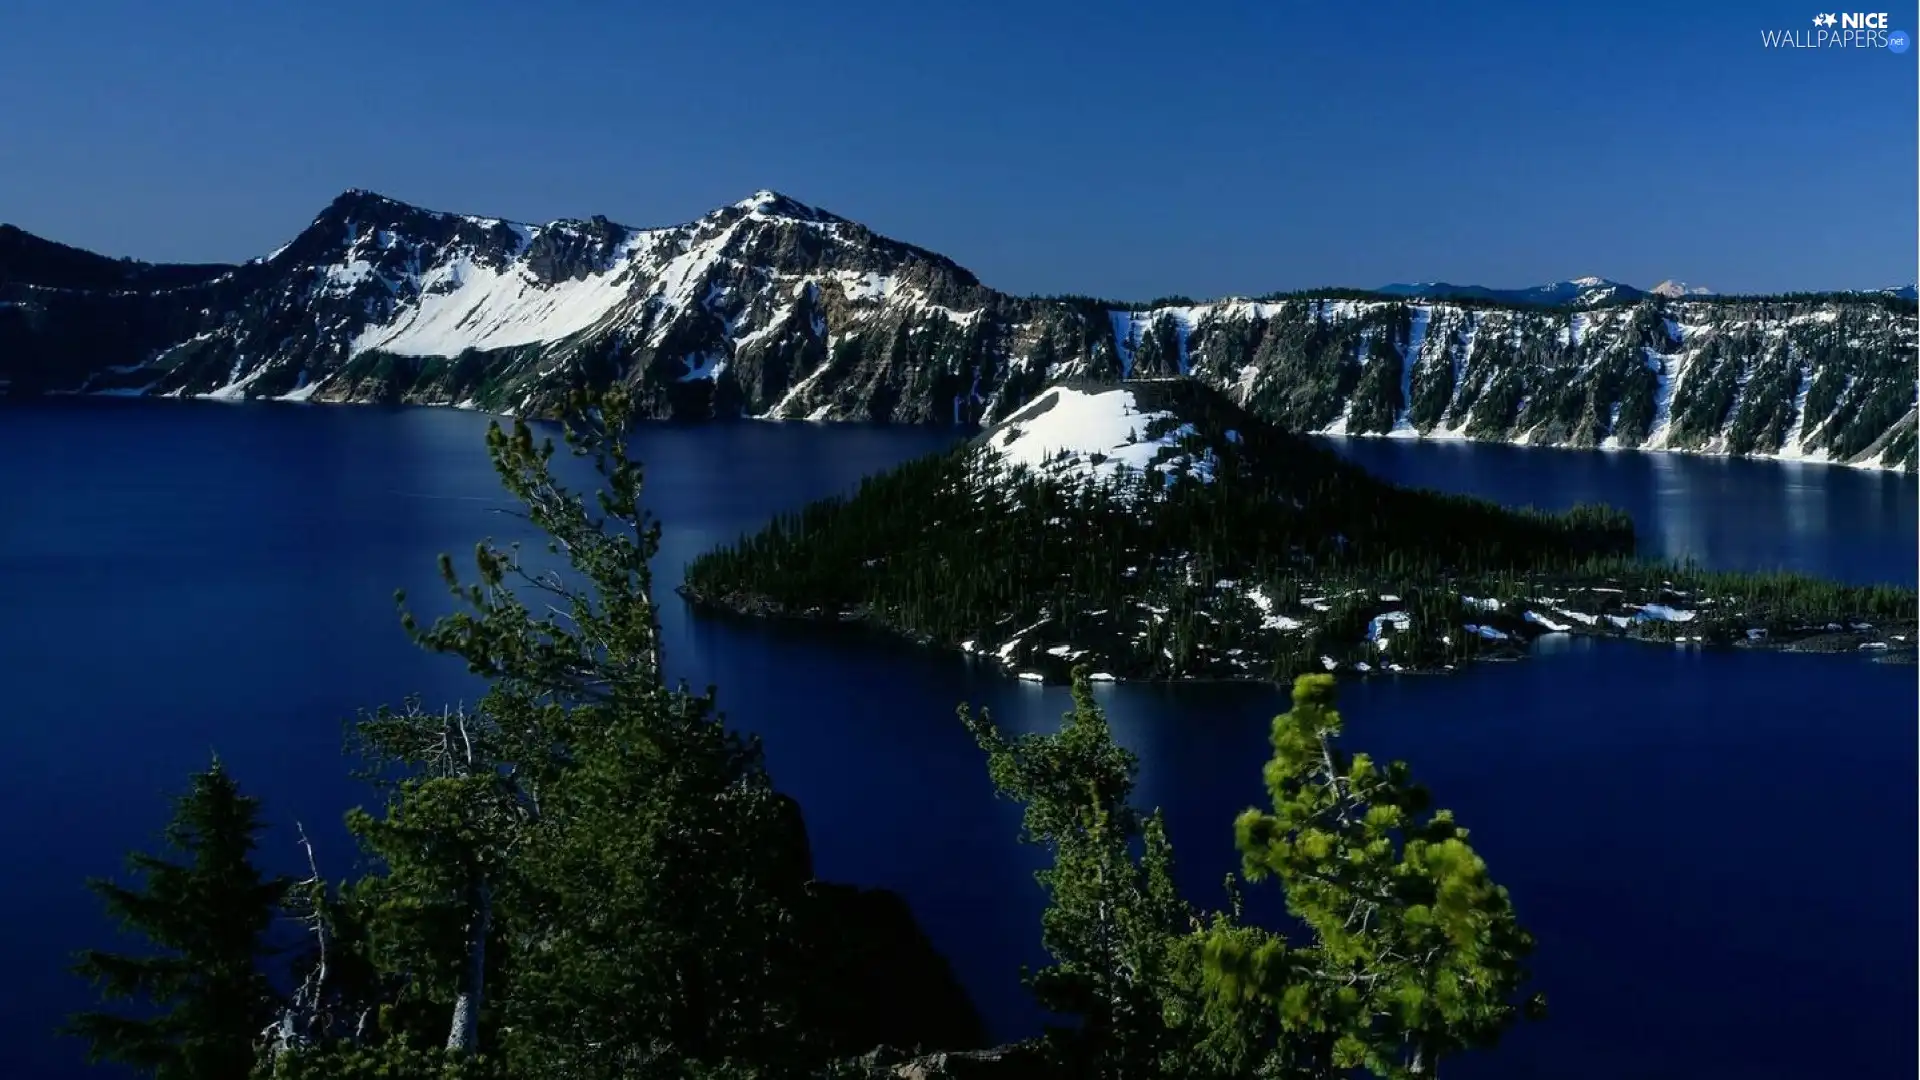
(206, 911)
(588, 876)
(1415, 953)
(1114, 923)
(443, 846)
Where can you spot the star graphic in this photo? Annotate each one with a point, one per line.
(1830, 19)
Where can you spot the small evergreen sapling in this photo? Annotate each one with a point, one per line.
(205, 911)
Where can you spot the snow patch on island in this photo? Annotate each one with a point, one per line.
(1258, 597)
(1662, 613)
(1547, 624)
(1067, 433)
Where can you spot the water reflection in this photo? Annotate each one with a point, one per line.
(1806, 498)
(1558, 644)
(1727, 513)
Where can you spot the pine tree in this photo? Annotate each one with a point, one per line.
(443, 843)
(206, 911)
(1415, 953)
(634, 854)
(1114, 924)
(587, 875)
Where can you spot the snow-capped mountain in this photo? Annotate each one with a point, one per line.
(772, 308)
(1672, 288)
(380, 300)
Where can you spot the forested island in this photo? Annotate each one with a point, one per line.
(589, 875)
(1156, 530)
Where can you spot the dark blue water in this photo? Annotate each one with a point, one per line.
(1715, 850)
(1730, 513)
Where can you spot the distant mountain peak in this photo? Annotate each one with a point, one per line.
(1674, 288)
(769, 203)
(1578, 292)
(764, 199)
(362, 204)
(365, 197)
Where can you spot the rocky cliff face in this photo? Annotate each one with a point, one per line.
(770, 308)
(1828, 379)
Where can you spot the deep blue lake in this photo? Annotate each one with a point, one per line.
(1715, 850)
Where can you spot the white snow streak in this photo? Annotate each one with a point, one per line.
(464, 305)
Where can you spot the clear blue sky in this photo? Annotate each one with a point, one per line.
(1121, 149)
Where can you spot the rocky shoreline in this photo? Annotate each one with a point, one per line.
(1889, 644)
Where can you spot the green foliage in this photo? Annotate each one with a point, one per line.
(621, 853)
(442, 845)
(1410, 952)
(1414, 953)
(587, 875)
(204, 913)
(384, 1061)
(1114, 924)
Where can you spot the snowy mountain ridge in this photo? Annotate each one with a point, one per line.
(772, 308)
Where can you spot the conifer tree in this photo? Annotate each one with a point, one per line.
(205, 910)
(443, 844)
(1415, 953)
(403, 960)
(1114, 922)
(588, 875)
(649, 871)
